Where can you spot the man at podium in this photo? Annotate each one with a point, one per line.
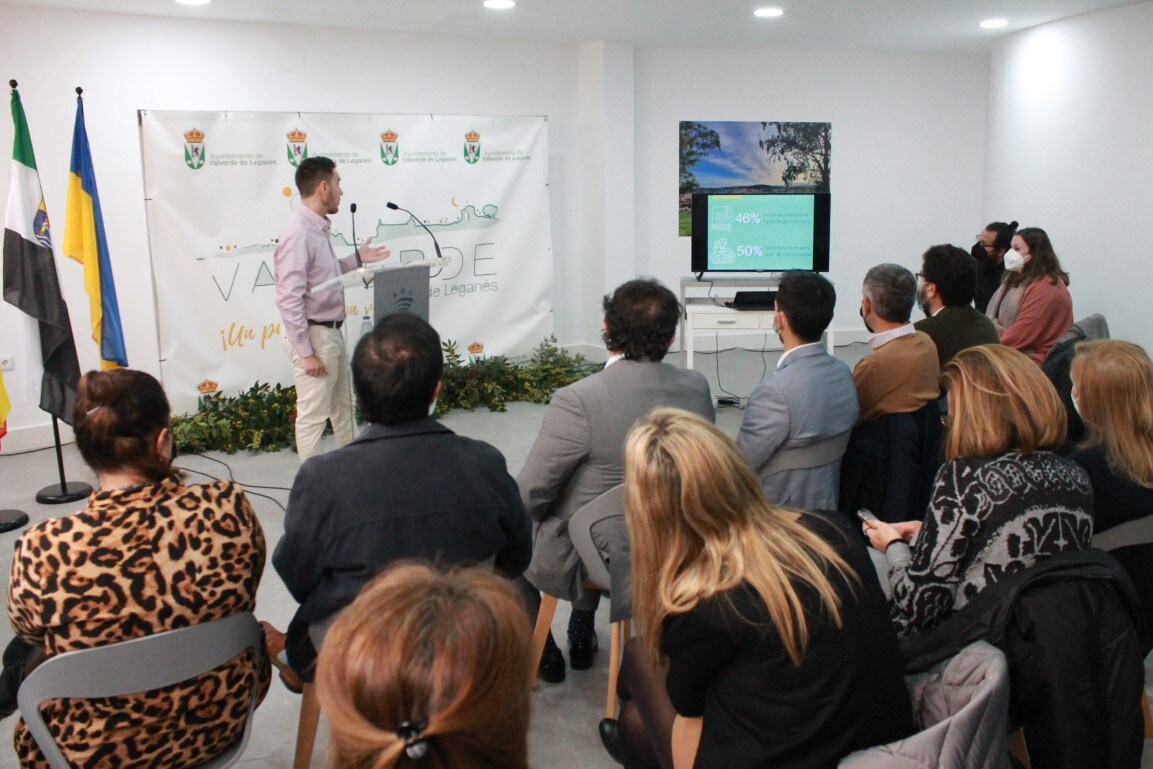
(313, 337)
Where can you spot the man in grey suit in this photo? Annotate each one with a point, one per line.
(798, 412)
(579, 453)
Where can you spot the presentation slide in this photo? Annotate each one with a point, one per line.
(759, 232)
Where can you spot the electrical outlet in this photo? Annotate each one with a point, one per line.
(7, 362)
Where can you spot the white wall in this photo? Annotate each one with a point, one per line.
(126, 63)
(908, 137)
(1071, 151)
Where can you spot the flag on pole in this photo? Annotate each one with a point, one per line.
(5, 407)
(31, 283)
(84, 241)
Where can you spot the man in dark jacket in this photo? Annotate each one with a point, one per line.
(945, 292)
(407, 487)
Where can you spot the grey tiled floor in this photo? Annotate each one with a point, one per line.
(563, 733)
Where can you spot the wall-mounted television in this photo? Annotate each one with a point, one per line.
(762, 232)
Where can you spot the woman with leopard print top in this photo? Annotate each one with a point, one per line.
(147, 554)
(1000, 503)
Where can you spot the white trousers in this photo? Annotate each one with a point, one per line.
(320, 398)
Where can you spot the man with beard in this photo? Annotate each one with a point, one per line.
(947, 280)
(312, 336)
(989, 255)
(794, 418)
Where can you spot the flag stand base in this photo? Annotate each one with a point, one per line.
(12, 519)
(61, 493)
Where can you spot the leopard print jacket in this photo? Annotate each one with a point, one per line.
(134, 562)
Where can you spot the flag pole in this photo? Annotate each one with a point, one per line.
(65, 491)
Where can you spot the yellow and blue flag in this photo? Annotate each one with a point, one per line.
(85, 242)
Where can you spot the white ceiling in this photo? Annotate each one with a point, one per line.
(872, 25)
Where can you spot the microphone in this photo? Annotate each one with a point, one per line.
(435, 245)
(355, 247)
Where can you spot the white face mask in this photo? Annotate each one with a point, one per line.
(1076, 404)
(1014, 262)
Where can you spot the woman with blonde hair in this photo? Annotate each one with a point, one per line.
(428, 669)
(1001, 502)
(764, 639)
(1113, 393)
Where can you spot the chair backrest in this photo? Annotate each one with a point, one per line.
(807, 457)
(140, 665)
(608, 505)
(962, 708)
(891, 463)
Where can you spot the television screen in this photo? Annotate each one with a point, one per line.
(763, 232)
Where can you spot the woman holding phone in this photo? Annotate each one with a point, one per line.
(1001, 502)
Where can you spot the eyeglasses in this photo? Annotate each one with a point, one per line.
(986, 246)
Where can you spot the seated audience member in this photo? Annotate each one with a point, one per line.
(809, 400)
(764, 639)
(989, 255)
(428, 669)
(900, 375)
(1032, 308)
(1002, 501)
(579, 453)
(406, 487)
(1113, 392)
(144, 556)
(945, 293)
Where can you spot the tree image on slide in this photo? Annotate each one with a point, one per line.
(697, 141)
(804, 148)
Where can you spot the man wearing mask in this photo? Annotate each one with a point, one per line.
(947, 279)
(900, 375)
(794, 418)
(989, 255)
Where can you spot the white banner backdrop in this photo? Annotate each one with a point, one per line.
(219, 188)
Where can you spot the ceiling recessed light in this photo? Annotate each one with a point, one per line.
(499, 5)
(193, 2)
(994, 23)
(768, 13)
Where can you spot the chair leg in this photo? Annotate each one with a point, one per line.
(1017, 747)
(306, 729)
(616, 644)
(544, 617)
(1148, 715)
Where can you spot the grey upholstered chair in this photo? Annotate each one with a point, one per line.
(607, 509)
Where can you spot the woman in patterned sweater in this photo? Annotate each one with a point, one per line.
(1001, 502)
(147, 554)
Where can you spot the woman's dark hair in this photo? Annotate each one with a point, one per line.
(119, 413)
(1043, 262)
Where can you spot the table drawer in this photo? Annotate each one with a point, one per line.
(717, 320)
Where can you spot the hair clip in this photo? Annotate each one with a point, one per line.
(409, 733)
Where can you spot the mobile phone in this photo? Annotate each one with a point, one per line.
(865, 515)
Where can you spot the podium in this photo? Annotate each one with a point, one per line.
(401, 289)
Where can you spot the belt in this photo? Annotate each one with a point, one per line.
(326, 323)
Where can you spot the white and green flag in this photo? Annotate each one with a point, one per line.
(32, 285)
